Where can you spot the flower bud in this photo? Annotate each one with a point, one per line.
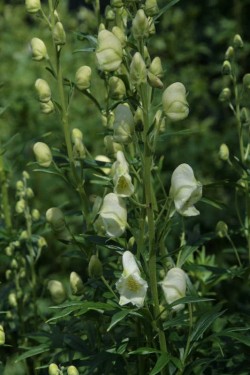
(47, 108)
(238, 42)
(154, 81)
(72, 370)
(156, 67)
(123, 186)
(174, 286)
(39, 50)
(12, 299)
(35, 214)
(14, 264)
(151, 8)
(43, 154)
(226, 68)
(76, 284)
(109, 51)
(26, 175)
(9, 251)
(83, 77)
(138, 119)
(225, 95)
(138, 71)
(2, 335)
(8, 274)
(111, 146)
(19, 185)
(76, 135)
(140, 25)
(24, 235)
(43, 90)
(104, 159)
(32, 6)
(221, 229)
(123, 125)
(174, 102)
(160, 121)
(109, 13)
(79, 151)
(53, 369)
(224, 152)
(119, 33)
(244, 115)
(229, 53)
(59, 35)
(113, 215)
(246, 81)
(41, 242)
(29, 193)
(20, 206)
(57, 291)
(55, 218)
(95, 267)
(116, 3)
(117, 89)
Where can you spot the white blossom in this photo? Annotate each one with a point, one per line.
(174, 286)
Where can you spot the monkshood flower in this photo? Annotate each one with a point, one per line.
(83, 77)
(108, 51)
(122, 180)
(174, 102)
(185, 190)
(113, 215)
(32, 6)
(174, 286)
(39, 50)
(43, 90)
(124, 124)
(43, 154)
(131, 286)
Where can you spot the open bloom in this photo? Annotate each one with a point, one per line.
(113, 215)
(174, 286)
(122, 180)
(131, 286)
(174, 102)
(108, 51)
(185, 190)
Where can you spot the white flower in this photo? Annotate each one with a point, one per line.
(122, 180)
(174, 286)
(43, 154)
(185, 190)
(131, 286)
(108, 51)
(174, 102)
(113, 215)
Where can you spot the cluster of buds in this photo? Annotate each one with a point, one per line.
(55, 370)
(44, 96)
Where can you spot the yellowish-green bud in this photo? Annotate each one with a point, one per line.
(138, 71)
(156, 67)
(9, 251)
(26, 175)
(95, 267)
(29, 193)
(225, 95)
(41, 242)
(108, 120)
(22, 272)
(111, 146)
(57, 291)
(174, 102)
(151, 7)
(43, 90)
(138, 119)
(140, 25)
(119, 33)
(39, 50)
(224, 152)
(104, 159)
(55, 218)
(131, 243)
(53, 369)
(117, 89)
(238, 42)
(116, 3)
(109, 13)
(14, 264)
(20, 206)
(32, 6)
(79, 151)
(24, 235)
(123, 125)
(246, 81)
(2, 336)
(35, 214)
(221, 229)
(109, 51)
(226, 68)
(72, 370)
(83, 77)
(8, 274)
(76, 284)
(47, 108)
(59, 35)
(159, 120)
(12, 299)
(19, 185)
(43, 154)
(229, 53)
(154, 81)
(76, 135)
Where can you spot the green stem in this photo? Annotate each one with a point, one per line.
(5, 196)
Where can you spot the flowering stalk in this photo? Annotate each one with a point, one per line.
(5, 197)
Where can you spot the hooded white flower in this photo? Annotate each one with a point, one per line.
(185, 190)
(174, 286)
(174, 102)
(108, 51)
(122, 180)
(113, 215)
(131, 286)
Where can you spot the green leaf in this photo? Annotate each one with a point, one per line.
(144, 351)
(213, 203)
(181, 132)
(32, 352)
(117, 318)
(160, 364)
(164, 9)
(185, 252)
(190, 299)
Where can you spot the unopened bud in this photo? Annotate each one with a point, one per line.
(29, 193)
(154, 81)
(24, 235)
(221, 229)
(35, 214)
(39, 50)
(246, 81)
(76, 135)
(26, 175)
(72, 370)
(117, 89)
(104, 159)
(32, 6)
(151, 7)
(123, 125)
(2, 336)
(12, 299)
(116, 3)
(43, 90)
(226, 68)
(109, 13)
(43, 154)
(238, 42)
(119, 33)
(8, 274)
(9, 251)
(138, 71)
(59, 35)
(14, 264)
(41, 242)
(76, 284)
(111, 146)
(229, 53)
(138, 119)
(55, 218)
(109, 51)
(20, 206)
(95, 267)
(225, 95)
(224, 152)
(156, 67)
(140, 25)
(53, 369)
(19, 185)
(83, 77)
(174, 102)
(57, 291)
(47, 108)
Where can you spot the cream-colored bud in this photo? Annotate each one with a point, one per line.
(225, 95)
(109, 51)
(32, 6)
(57, 291)
(8, 274)
(29, 193)
(43, 154)
(119, 33)
(246, 81)
(24, 235)
(117, 89)
(140, 25)
(123, 125)
(138, 119)
(47, 108)
(76, 284)
(19, 185)
(151, 23)
(104, 159)
(9, 251)
(116, 3)
(83, 77)
(26, 175)
(95, 267)
(59, 35)
(20, 206)
(221, 229)
(109, 13)
(2, 335)
(244, 115)
(76, 135)
(229, 53)
(138, 71)
(224, 152)
(160, 122)
(79, 151)
(111, 146)
(39, 50)
(43, 90)
(156, 67)
(14, 264)
(154, 81)
(151, 7)
(12, 299)
(72, 370)
(22, 273)
(41, 242)
(35, 214)
(238, 42)
(226, 68)
(174, 102)
(55, 218)
(53, 369)
(113, 215)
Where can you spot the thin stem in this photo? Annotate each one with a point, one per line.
(5, 196)
(234, 248)
(108, 286)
